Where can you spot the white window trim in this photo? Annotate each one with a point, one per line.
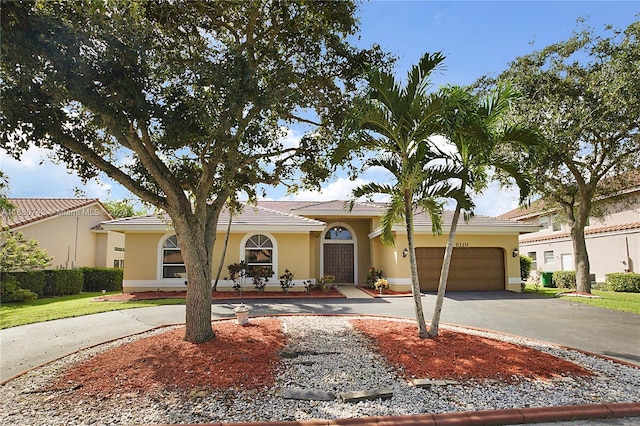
(353, 240)
(160, 251)
(274, 251)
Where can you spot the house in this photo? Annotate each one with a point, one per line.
(613, 241)
(69, 229)
(312, 239)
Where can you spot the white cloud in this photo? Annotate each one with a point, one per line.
(340, 189)
(495, 201)
(35, 176)
(291, 138)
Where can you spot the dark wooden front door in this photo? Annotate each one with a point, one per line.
(338, 261)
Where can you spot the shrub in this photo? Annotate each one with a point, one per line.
(31, 280)
(564, 279)
(623, 282)
(261, 277)
(286, 281)
(237, 274)
(326, 282)
(97, 279)
(10, 292)
(372, 276)
(525, 267)
(62, 282)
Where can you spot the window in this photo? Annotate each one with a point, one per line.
(338, 233)
(544, 222)
(258, 254)
(534, 260)
(548, 256)
(556, 223)
(172, 262)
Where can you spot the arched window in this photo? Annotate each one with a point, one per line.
(172, 262)
(338, 233)
(258, 254)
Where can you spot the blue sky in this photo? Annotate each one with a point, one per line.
(477, 38)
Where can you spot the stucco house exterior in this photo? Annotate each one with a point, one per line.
(312, 239)
(613, 241)
(69, 229)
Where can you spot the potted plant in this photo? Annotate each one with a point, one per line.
(381, 284)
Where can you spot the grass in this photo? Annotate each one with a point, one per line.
(627, 302)
(51, 308)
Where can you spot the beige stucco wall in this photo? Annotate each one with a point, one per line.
(108, 248)
(142, 256)
(68, 237)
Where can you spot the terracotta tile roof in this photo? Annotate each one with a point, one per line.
(587, 231)
(29, 210)
(423, 219)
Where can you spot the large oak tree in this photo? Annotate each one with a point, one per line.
(184, 103)
(584, 96)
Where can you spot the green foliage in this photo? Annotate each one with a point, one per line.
(237, 274)
(98, 279)
(62, 282)
(123, 208)
(260, 276)
(583, 95)
(31, 280)
(10, 292)
(564, 279)
(623, 282)
(372, 276)
(18, 254)
(325, 282)
(5, 205)
(525, 267)
(286, 281)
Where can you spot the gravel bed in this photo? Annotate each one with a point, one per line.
(328, 355)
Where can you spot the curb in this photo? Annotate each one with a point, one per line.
(512, 416)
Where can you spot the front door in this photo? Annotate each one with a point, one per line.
(338, 261)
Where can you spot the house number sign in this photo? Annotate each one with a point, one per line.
(462, 244)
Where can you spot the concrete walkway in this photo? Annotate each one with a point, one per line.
(564, 322)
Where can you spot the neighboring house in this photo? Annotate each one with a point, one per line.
(69, 229)
(312, 239)
(613, 242)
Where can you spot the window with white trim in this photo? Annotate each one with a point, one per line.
(534, 260)
(172, 262)
(544, 222)
(258, 255)
(548, 257)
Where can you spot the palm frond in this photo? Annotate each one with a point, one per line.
(392, 216)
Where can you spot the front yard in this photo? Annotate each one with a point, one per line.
(627, 302)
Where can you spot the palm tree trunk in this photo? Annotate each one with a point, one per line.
(444, 274)
(415, 284)
(224, 252)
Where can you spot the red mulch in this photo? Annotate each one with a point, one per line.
(243, 357)
(459, 356)
(221, 295)
(385, 293)
(246, 357)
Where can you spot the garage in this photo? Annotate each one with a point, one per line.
(472, 268)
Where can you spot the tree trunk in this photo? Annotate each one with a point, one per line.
(581, 258)
(415, 284)
(444, 274)
(197, 260)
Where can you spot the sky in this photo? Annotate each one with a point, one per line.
(477, 38)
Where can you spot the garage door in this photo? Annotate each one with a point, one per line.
(472, 269)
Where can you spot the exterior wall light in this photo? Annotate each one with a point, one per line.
(405, 252)
(515, 252)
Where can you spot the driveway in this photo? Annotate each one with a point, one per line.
(564, 322)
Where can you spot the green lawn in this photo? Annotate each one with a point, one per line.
(50, 308)
(628, 302)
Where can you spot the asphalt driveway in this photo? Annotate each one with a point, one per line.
(564, 322)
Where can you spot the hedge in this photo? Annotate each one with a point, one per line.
(623, 282)
(525, 267)
(97, 279)
(62, 282)
(10, 292)
(564, 279)
(31, 280)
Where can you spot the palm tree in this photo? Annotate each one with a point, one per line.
(477, 128)
(398, 121)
